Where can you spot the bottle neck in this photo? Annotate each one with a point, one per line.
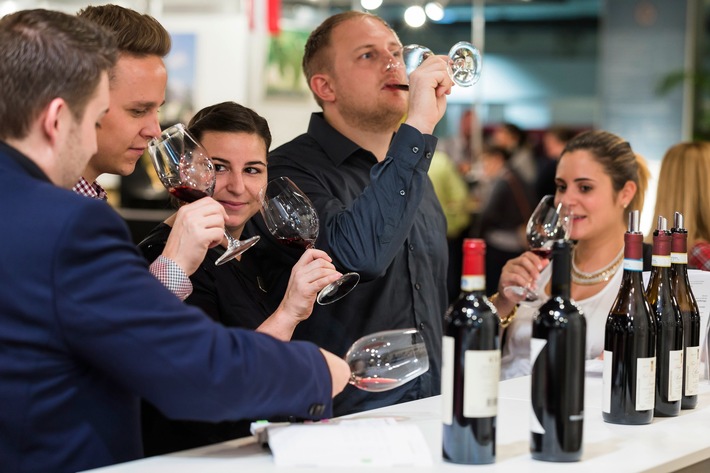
(661, 259)
(633, 255)
(561, 271)
(473, 277)
(679, 250)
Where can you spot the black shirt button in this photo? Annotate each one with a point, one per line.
(316, 410)
(428, 155)
(422, 325)
(415, 149)
(417, 286)
(411, 247)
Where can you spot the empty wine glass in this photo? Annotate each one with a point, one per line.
(187, 172)
(385, 360)
(548, 223)
(465, 70)
(291, 218)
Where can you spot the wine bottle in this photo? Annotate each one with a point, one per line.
(470, 366)
(688, 310)
(629, 373)
(557, 352)
(669, 326)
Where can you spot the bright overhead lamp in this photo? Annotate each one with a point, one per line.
(415, 16)
(434, 10)
(371, 4)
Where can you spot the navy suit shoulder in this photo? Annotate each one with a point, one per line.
(87, 331)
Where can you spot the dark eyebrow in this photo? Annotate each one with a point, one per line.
(579, 179)
(248, 163)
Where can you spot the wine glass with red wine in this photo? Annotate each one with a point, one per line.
(386, 360)
(548, 223)
(291, 218)
(187, 172)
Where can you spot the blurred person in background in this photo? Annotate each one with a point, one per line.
(504, 213)
(452, 191)
(553, 143)
(514, 140)
(684, 186)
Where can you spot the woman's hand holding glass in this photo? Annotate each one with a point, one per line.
(292, 219)
(312, 272)
(185, 169)
(549, 222)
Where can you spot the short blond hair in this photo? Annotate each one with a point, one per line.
(315, 57)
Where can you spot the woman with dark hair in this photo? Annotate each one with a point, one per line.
(600, 179)
(237, 140)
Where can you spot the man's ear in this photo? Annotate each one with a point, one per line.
(53, 119)
(321, 86)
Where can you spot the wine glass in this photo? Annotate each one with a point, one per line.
(465, 70)
(386, 360)
(291, 218)
(548, 223)
(187, 172)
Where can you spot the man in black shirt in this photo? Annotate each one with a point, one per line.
(378, 212)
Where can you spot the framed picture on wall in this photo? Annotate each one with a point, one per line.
(283, 74)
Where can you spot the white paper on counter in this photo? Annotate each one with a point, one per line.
(346, 443)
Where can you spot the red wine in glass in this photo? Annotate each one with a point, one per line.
(548, 223)
(544, 253)
(385, 360)
(295, 242)
(187, 172)
(292, 219)
(187, 194)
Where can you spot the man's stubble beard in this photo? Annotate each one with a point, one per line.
(379, 118)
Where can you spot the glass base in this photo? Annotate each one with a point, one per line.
(338, 289)
(236, 248)
(519, 291)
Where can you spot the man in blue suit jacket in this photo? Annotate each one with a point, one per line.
(85, 330)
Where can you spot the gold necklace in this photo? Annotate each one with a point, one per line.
(595, 277)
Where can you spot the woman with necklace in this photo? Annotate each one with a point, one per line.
(600, 179)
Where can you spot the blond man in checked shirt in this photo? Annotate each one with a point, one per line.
(137, 90)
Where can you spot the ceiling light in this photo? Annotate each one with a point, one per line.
(415, 16)
(371, 4)
(434, 10)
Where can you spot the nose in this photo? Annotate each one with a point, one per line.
(235, 183)
(151, 128)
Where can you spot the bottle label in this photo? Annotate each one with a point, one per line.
(633, 264)
(662, 261)
(606, 380)
(536, 346)
(679, 258)
(675, 375)
(473, 283)
(480, 383)
(645, 383)
(447, 380)
(692, 370)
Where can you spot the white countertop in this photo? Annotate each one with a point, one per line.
(667, 444)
